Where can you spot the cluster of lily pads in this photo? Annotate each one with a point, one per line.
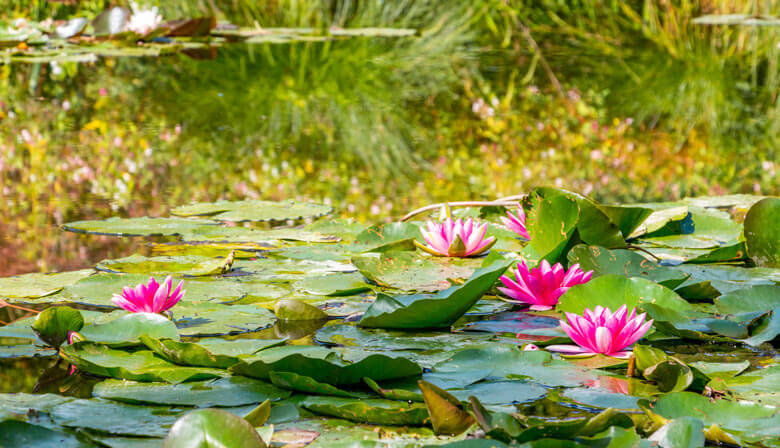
(552, 321)
(137, 31)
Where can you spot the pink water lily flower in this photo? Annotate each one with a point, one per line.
(516, 223)
(456, 238)
(542, 286)
(602, 331)
(150, 298)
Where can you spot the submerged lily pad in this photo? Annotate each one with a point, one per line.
(432, 311)
(253, 210)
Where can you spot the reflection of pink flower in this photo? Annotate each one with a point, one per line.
(602, 331)
(610, 383)
(542, 286)
(456, 238)
(149, 298)
(516, 223)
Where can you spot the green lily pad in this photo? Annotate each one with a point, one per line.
(299, 383)
(683, 432)
(210, 319)
(447, 415)
(501, 392)
(432, 311)
(508, 361)
(23, 403)
(345, 284)
(138, 226)
(375, 411)
(382, 237)
(761, 235)
(53, 324)
(98, 289)
(627, 218)
(217, 353)
(381, 339)
(409, 271)
(601, 398)
(661, 216)
(756, 298)
(225, 392)
(291, 309)
(324, 365)
(551, 223)
(127, 329)
(758, 386)
(613, 291)
(623, 262)
(204, 428)
(345, 228)
(111, 417)
(181, 265)
(252, 210)
(32, 286)
(16, 433)
(143, 365)
(747, 422)
(245, 235)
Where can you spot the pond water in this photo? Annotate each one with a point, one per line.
(269, 177)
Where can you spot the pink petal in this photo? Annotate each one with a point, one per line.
(603, 340)
(564, 348)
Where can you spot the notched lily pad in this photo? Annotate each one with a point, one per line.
(137, 226)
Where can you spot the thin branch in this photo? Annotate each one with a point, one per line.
(497, 203)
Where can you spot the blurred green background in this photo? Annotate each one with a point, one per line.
(620, 100)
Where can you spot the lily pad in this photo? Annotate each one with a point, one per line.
(53, 324)
(409, 271)
(225, 392)
(382, 237)
(209, 352)
(143, 365)
(137, 226)
(624, 262)
(127, 329)
(299, 383)
(210, 319)
(324, 366)
(203, 428)
(297, 310)
(239, 211)
(345, 284)
(432, 311)
(113, 418)
(16, 433)
(551, 223)
(376, 411)
(32, 286)
(181, 265)
(761, 232)
(447, 415)
(613, 291)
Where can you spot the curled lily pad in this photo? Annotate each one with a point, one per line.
(305, 384)
(551, 223)
(238, 211)
(447, 414)
(324, 365)
(53, 324)
(432, 311)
